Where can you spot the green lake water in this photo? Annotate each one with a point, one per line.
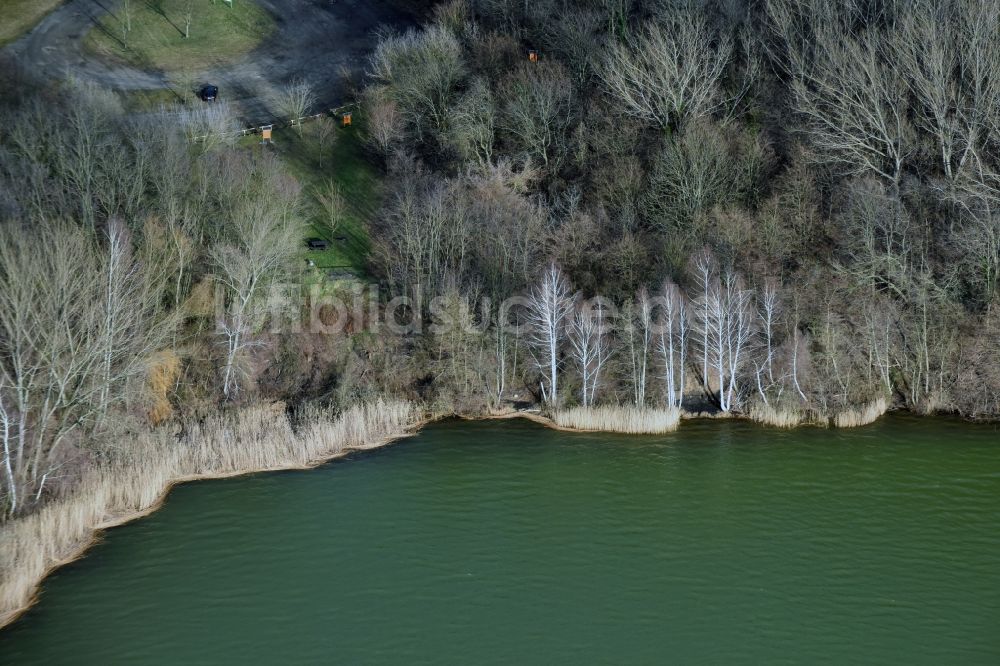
(506, 543)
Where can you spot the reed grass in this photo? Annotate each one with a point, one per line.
(623, 419)
(863, 415)
(778, 417)
(253, 439)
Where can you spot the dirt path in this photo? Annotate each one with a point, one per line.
(315, 40)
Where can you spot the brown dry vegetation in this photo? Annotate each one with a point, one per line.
(776, 417)
(806, 267)
(620, 419)
(247, 440)
(861, 415)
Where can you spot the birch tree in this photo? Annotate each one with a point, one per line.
(704, 268)
(504, 351)
(637, 319)
(673, 342)
(549, 305)
(262, 238)
(589, 346)
(133, 325)
(71, 339)
(767, 312)
(725, 321)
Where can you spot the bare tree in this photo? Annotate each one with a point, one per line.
(425, 237)
(385, 122)
(419, 71)
(880, 238)
(460, 351)
(211, 125)
(879, 331)
(188, 18)
(697, 169)
(847, 87)
(183, 250)
(334, 205)
(704, 268)
(975, 192)
(670, 72)
(574, 38)
(132, 325)
(510, 223)
(8, 456)
(473, 130)
(950, 54)
(798, 343)
(549, 304)
(589, 347)
(77, 323)
(263, 236)
(673, 342)
(294, 101)
(767, 313)
(323, 131)
(537, 114)
(725, 321)
(637, 319)
(504, 352)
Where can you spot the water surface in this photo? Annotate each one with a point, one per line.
(502, 542)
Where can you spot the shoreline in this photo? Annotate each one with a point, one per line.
(79, 548)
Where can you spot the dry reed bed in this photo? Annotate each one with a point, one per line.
(862, 415)
(776, 417)
(262, 438)
(621, 419)
(852, 417)
(253, 439)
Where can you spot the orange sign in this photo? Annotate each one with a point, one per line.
(265, 133)
(346, 119)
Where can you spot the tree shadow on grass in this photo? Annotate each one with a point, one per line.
(96, 19)
(157, 7)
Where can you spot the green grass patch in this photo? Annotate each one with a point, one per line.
(346, 164)
(20, 16)
(139, 101)
(219, 34)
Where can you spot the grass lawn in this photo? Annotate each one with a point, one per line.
(139, 101)
(219, 34)
(347, 165)
(19, 16)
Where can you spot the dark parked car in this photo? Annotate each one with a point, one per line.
(209, 93)
(317, 244)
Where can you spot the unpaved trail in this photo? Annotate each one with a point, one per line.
(313, 40)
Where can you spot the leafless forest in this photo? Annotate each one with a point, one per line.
(781, 209)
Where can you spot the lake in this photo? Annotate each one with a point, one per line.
(502, 542)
